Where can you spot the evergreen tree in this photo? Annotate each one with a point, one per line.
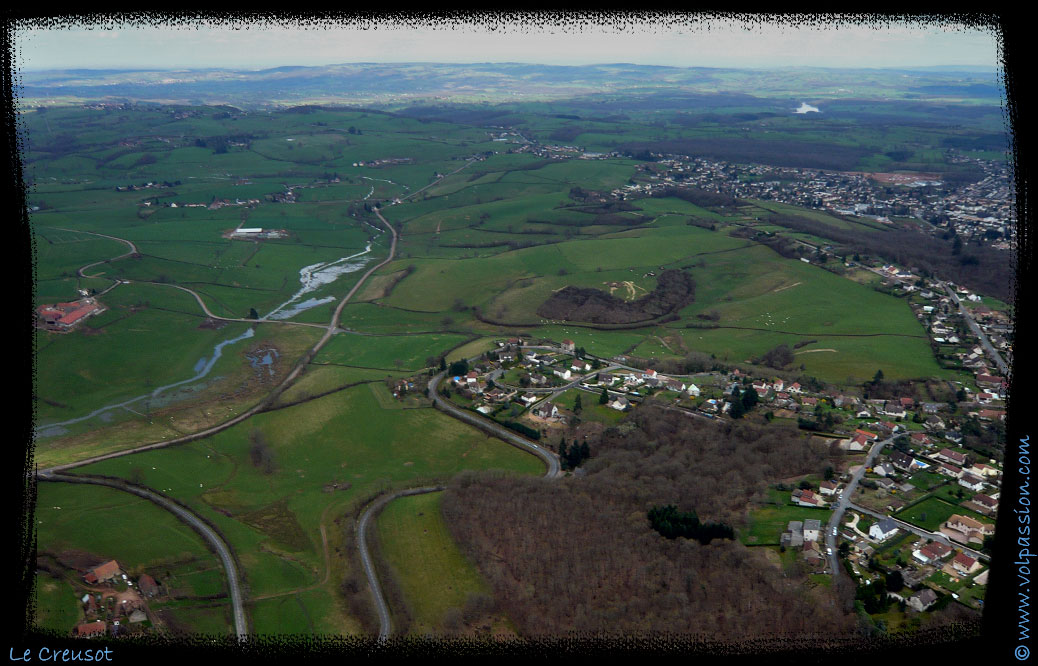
(604, 398)
(577, 406)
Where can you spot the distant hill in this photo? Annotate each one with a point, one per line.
(396, 82)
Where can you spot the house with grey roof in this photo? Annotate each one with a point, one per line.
(883, 529)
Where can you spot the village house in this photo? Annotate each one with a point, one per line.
(883, 529)
(857, 443)
(812, 529)
(920, 438)
(949, 470)
(883, 469)
(933, 423)
(947, 455)
(989, 504)
(974, 483)
(966, 530)
(901, 461)
(806, 498)
(793, 537)
(964, 564)
(885, 483)
(673, 384)
(892, 408)
(812, 554)
(568, 346)
(922, 599)
(932, 552)
(984, 470)
(147, 585)
(546, 410)
(87, 629)
(620, 404)
(827, 487)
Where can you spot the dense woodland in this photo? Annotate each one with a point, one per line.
(580, 553)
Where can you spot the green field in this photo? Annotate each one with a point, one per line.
(273, 518)
(767, 522)
(433, 575)
(932, 512)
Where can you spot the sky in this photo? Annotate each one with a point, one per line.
(638, 39)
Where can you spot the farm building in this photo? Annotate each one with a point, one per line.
(64, 316)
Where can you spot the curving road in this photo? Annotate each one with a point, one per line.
(241, 625)
(385, 620)
(513, 438)
(233, 579)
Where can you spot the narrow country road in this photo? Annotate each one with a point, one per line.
(241, 625)
(385, 620)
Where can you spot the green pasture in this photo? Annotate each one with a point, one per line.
(432, 573)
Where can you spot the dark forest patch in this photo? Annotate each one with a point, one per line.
(674, 290)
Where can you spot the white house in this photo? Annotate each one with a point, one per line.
(620, 404)
(883, 530)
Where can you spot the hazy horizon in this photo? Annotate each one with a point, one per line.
(685, 42)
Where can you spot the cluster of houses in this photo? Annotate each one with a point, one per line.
(805, 535)
(636, 382)
(928, 557)
(940, 314)
(110, 612)
(981, 480)
(63, 317)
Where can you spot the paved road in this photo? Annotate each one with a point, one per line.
(550, 458)
(984, 342)
(385, 620)
(936, 536)
(241, 625)
(845, 503)
(836, 520)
